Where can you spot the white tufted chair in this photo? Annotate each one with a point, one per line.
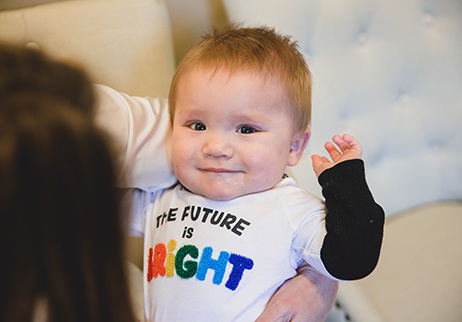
(390, 73)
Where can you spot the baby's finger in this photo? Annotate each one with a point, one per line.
(334, 152)
(320, 163)
(317, 159)
(341, 142)
(351, 140)
(355, 146)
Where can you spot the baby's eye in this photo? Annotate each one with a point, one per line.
(245, 129)
(198, 126)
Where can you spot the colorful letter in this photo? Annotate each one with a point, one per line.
(207, 262)
(186, 269)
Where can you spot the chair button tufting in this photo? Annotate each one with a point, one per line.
(436, 145)
(362, 37)
(428, 18)
(404, 97)
(33, 45)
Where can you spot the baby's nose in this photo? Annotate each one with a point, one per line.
(217, 147)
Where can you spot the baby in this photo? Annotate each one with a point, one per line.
(220, 242)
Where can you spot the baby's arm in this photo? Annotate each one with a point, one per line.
(354, 221)
(140, 131)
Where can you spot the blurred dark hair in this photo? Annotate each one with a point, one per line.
(24, 71)
(60, 229)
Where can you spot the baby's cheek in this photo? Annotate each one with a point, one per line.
(269, 169)
(179, 152)
(182, 175)
(177, 162)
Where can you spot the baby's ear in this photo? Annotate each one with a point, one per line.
(298, 145)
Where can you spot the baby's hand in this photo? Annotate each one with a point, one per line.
(349, 149)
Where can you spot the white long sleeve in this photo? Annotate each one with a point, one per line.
(140, 128)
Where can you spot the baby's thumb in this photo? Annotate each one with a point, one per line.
(316, 162)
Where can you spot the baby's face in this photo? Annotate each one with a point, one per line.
(232, 134)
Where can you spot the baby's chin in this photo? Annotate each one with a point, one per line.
(216, 194)
(222, 195)
(225, 190)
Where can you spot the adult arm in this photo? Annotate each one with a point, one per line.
(308, 297)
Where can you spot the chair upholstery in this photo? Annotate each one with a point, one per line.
(418, 277)
(125, 44)
(390, 73)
